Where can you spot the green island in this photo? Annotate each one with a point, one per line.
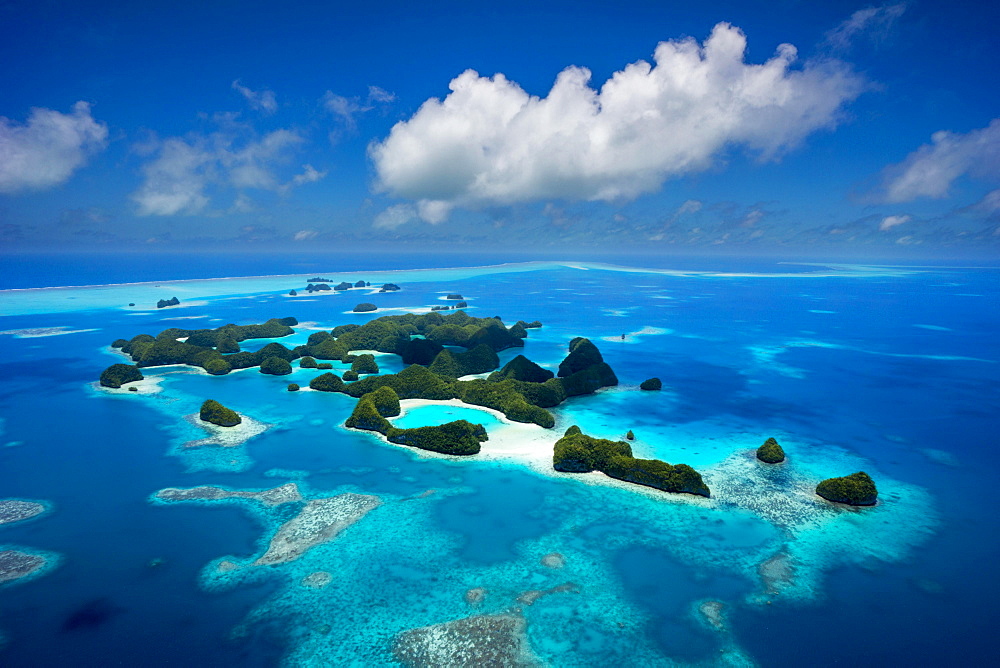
(770, 452)
(443, 353)
(214, 412)
(857, 489)
(576, 452)
(117, 375)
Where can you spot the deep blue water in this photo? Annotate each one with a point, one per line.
(899, 374)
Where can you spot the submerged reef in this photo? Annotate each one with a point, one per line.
(318, 522)
(287, 493)
(857, 489)
(482, 640)
(770, 452)
(16, 510)
(576, 452)
(214, 412)
(16, 565)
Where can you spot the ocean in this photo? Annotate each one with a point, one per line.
(892, 370)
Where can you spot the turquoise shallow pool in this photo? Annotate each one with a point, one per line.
(424, 416)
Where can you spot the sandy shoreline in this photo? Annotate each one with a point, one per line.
(527, 445)
(226, 437)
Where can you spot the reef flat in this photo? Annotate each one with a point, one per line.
(17, 565)
(287, 493)
(16, 510)
(226, 437)
(318, 522)
(483, 640)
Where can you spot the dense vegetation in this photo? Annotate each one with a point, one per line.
(214, 412)
(770, 452)
(522, 390)
(117, 375)
(215, 350)
(857, 489)
(275, 366)
(576, 452)
(364, 364)
(327, 382)
(163, 303)
(365, 307)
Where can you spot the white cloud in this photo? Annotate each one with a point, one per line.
(349, 108)
(394, 216)
(990, 203)
(689, 206)
(46, 150)
(490, 143)
(305, 235)
(309, 175)
(176, 179)
(890, 222)
(263, 100)
(376, 94)
(874, 22)
(346, 108)
(931, 169)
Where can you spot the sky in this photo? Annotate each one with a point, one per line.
(831, 128)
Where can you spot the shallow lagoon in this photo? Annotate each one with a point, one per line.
(842, 369)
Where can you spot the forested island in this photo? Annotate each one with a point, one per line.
(442, 352)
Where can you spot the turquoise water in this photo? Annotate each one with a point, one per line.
(422, 416)
(888, 370)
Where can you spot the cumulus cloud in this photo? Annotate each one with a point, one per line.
(263, 100)
(46, 150)
(890, 222)
(177, 179)
(931, 169)
(394, 216)
(490, 143)
(309, 175)
(873, 22)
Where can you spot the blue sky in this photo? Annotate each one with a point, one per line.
(834, 128)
